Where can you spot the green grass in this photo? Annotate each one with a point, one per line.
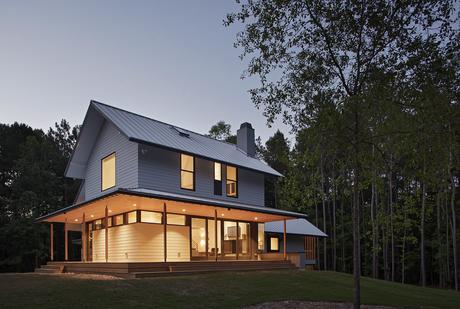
(222, 290)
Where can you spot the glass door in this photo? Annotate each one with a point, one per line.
(212, 248)
(198, 241)
(244, 249)
(230, 240)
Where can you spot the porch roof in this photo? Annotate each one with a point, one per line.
(124, 199)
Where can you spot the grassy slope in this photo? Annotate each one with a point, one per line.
(223, 290)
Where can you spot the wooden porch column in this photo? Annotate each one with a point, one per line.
(66, 241)
(164, 232)
(51, 242)
(83, 238)
(215, 233)
(106, 225)
(284, 241)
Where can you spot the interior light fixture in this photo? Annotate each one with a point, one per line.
(183, 210)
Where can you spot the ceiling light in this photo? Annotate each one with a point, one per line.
(110, 210)
(223, 215)
(76, 220)
(183, 210)
(92, 216)
(134, 204)
(255, 218)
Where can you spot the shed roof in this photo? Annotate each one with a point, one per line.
(142, 129)
(297, 226)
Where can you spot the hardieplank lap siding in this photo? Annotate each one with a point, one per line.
(111, 140)
(159, 169)
(142, 242)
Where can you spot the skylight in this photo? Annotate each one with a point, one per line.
(180, 131)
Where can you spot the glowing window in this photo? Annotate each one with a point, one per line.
(187, 172)
(117, 220)
(132, 217)
(232, 181)
(151, 217)
(175, 219)
(98, 224)
(217, 171)
(108, 172)
(274, 244)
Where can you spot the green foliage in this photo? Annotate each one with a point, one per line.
(32, 166)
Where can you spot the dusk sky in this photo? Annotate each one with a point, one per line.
(172, 60)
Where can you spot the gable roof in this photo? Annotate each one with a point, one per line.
(297, 226)
(145, 130)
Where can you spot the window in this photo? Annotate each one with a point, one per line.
(232, 181)
(117, 220)
(151, 217)
(175, 219)
(108, 172)
(187, 172)
(109, 221)
(274, 244)
(132, 217)
(260, 236)
(98, 224)
(217, 178)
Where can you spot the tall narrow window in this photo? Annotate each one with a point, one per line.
(217, 178)
(187, 172)
(108, 172)
(232, 181)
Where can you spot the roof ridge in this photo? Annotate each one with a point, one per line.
(159, 121)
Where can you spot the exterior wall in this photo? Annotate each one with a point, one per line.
(295, 248)
(111, 140)
(142, 242)
(159, 169)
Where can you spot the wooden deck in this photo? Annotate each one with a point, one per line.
(142, 270)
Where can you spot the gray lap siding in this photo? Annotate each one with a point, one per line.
(159, 169)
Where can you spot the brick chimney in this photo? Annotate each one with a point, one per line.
(245, 139)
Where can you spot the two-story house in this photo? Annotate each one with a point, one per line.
(154, 195)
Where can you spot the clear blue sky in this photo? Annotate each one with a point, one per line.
(170, 60)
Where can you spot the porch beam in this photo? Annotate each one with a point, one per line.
(164, 232)
(106, 225)
(66, 242)
(83, 238)
(51, 242)
(215, 233)
(284, 240)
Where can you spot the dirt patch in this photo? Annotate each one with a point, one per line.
(292, 304)
(85, 276)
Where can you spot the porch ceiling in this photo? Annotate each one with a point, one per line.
(122, 202)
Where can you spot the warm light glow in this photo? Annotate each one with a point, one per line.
(110, 210)
(183, 210)
(108, 172)
(187, 172)
(223, 215)
(217, 171)
(255, 218)
(134, 205)
(92, 216)
(232, 180)
(76, 220)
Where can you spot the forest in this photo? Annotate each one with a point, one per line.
(371, 91)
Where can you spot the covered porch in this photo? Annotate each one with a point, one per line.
(143, 226)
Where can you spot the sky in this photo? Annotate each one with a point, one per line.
(169, 60)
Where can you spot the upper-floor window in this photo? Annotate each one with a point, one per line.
(217, 178)
(232, 181)
(187, 172)
(108, 172)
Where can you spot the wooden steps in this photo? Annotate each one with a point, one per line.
(142, 270)
(50, 269)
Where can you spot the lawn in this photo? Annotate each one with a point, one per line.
(222, 290)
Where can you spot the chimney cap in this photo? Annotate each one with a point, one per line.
(246, 125)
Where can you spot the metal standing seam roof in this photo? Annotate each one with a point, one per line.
(146, 130)
(297, 226)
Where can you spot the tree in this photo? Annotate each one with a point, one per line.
(222, 131)
(336, 49)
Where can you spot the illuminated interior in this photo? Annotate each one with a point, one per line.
(108, 172)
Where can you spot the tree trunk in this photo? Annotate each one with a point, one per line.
(323, 198)
(374, 247)
(454, 230)
(438, 234)
(390, 195)
(422, 237)
(355, 219)
(334, 226)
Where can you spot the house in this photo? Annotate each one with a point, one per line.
(154, 196)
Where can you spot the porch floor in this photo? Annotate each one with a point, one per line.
(153, 269)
